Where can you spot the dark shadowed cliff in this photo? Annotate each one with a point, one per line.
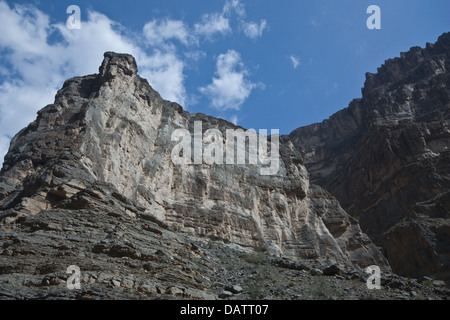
(387, 159)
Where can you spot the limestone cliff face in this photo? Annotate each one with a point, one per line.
(387, 159)
(105, 146)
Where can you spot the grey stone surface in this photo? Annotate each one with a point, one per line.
(235, 289)
(386, 158)
(91, 183)
(105, 145)
(316, 272)
(225, 294)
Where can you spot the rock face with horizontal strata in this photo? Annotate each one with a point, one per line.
(102, 152)
(387, 159)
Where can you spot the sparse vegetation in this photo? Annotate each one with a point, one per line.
(230, 266)
(428, 283)
(259, 249)
(200, 264)
(255, 258)
(211, 244)
(319, 289)
(255, 290)
(419, 297)
(261, 277)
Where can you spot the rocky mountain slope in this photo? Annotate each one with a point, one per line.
(387, 159)
(91, 183)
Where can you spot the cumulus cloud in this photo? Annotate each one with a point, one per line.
(251, 29)
(230, 88)
(164, 70)
(295, 61)
(219, 22)
(156, 32)
(37, 68)
(39, 55)
(211, 24)
(254, 30)
(234, 6)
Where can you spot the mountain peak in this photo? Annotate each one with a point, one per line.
(417, 63)
(116, 64)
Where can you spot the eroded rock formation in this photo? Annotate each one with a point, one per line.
(387, 159)
(93, 174)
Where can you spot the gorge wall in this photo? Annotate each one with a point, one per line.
(94, 171)
(386, 158)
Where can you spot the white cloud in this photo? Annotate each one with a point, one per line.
(157, 32)
(230, 88)
(254, 30)
(4, 146)
(295, 61)
(236, 6)
(211, 24)
(85, 47)
(37, 68)
(32, 35)
(32, 68)
(214, 23)
(234, 120)
(164, 71)
(195, 55)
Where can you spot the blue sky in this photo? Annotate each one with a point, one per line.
(263, 64)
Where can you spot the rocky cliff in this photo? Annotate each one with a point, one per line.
(387, 159)
(91, 182)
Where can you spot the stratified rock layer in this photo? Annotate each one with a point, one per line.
(102, 152)
(387, 159)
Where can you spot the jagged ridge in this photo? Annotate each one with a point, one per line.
(386, 158)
